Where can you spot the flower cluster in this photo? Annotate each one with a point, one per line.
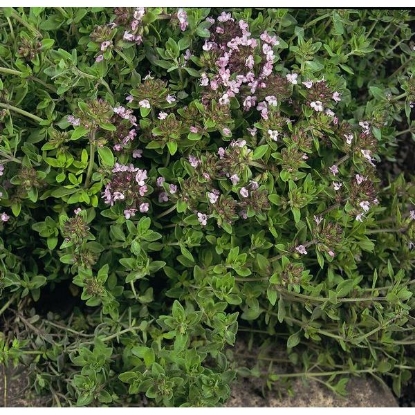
(128, 184)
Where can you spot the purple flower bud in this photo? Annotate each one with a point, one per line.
(144, 207)
(202, 218)
(301, 249)
(244, 192)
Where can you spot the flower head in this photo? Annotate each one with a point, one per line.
(301, 249)
(182, 16)
(145, 103)
(292, 78)
(202, 218)
(317, 105)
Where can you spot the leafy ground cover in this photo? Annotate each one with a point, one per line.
(172, 178)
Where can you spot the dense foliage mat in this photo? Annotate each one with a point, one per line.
(173, 177)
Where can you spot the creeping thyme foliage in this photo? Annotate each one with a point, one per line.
(187, 175)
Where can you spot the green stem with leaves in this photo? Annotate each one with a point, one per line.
(21, 112)
(92, 149)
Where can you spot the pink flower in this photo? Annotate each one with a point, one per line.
(140, 177)
(272, 100)
(336, 96)
(163, 197)
(252, 131)
(1, 169)
(224, 100)
(207, 46)
(337, 185)
(273, 134)
(129, 98)
(249, 102)
(162, 115)
(331, 253)
(160, 180)
(139, 13)
(244, 192)
(137, 153)
(77, 211)
(318, 219)
(118, 196)
(221, 152)
(4, 217)
(364, 205)
(74, 121)
(292, 78)
(308, 84)
(359, 178)
(317, 105)
(172, 189)
(130, 37)
(234, 179)
(144, 207)
(194, 162)
(349, 138)
(128, 213)
(205, 80)
(193, 129)
(99, 58)
(224, 17)
(365, 126)
(145, 103)
(301, 249)
(202, 218)
(367, 156)
(272, 40)
(360, 217)
(254, 185)
(226, 132)
(249, 62)
(412, 214)
(182, 16)
(105, 45)
(213, 197)
(170, 99)
(142, 190)
(334, 169)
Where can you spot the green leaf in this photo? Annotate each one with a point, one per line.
(106, 155)
(260, 151)
(344, 288)
(172, 48)
(272, 296)
(377, 93)
(293, 340)
(347, 69)
(192, 72)
(172, 146)
(79, 132)
(163, 64)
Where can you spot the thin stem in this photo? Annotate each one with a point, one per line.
(6, 306)
(68, 329)
(409, 130)
(9, 157)
(133, 289)
(113, 336)
(91, 159)
(390, 230)
(27, 25)
(11, 28)
(10, 71)
(166, 212)
(22, 112)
